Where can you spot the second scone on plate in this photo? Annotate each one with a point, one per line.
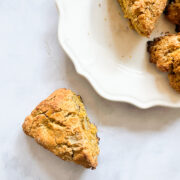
(143, 14)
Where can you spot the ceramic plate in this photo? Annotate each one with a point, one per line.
(112, 56)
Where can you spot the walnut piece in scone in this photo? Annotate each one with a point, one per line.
(172, 13)
(174, 81)
(165, 52)
(60, 124)
(143, 14)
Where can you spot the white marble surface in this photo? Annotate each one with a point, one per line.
(135, 144)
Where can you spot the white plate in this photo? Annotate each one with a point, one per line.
(112, 56)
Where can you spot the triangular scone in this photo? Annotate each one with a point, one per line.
(143, 14)
(165, 52)
(60, 124)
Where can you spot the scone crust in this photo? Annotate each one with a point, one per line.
(165, 52)
(143, 14)
(60, 124)
(174, 81)
(173, 12)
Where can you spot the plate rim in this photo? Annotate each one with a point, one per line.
(100, 91)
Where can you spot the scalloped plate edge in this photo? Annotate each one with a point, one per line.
(123, 98)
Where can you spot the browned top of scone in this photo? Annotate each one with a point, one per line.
(143, 14)
(173, 12)
(60, 124)
(165, 52)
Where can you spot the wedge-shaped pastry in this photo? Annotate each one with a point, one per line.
(165, 53)
(174, 81)
(143, 14)
(60, 124)
(173, 13)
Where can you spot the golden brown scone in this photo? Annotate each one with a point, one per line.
(174, 81)
(165, 52)
(143, 14)
(173, 13)
(60, 124)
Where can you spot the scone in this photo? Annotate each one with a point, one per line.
(172, 12)
(60, 124)
(165, 53)
(174, 81)
(143, 14)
